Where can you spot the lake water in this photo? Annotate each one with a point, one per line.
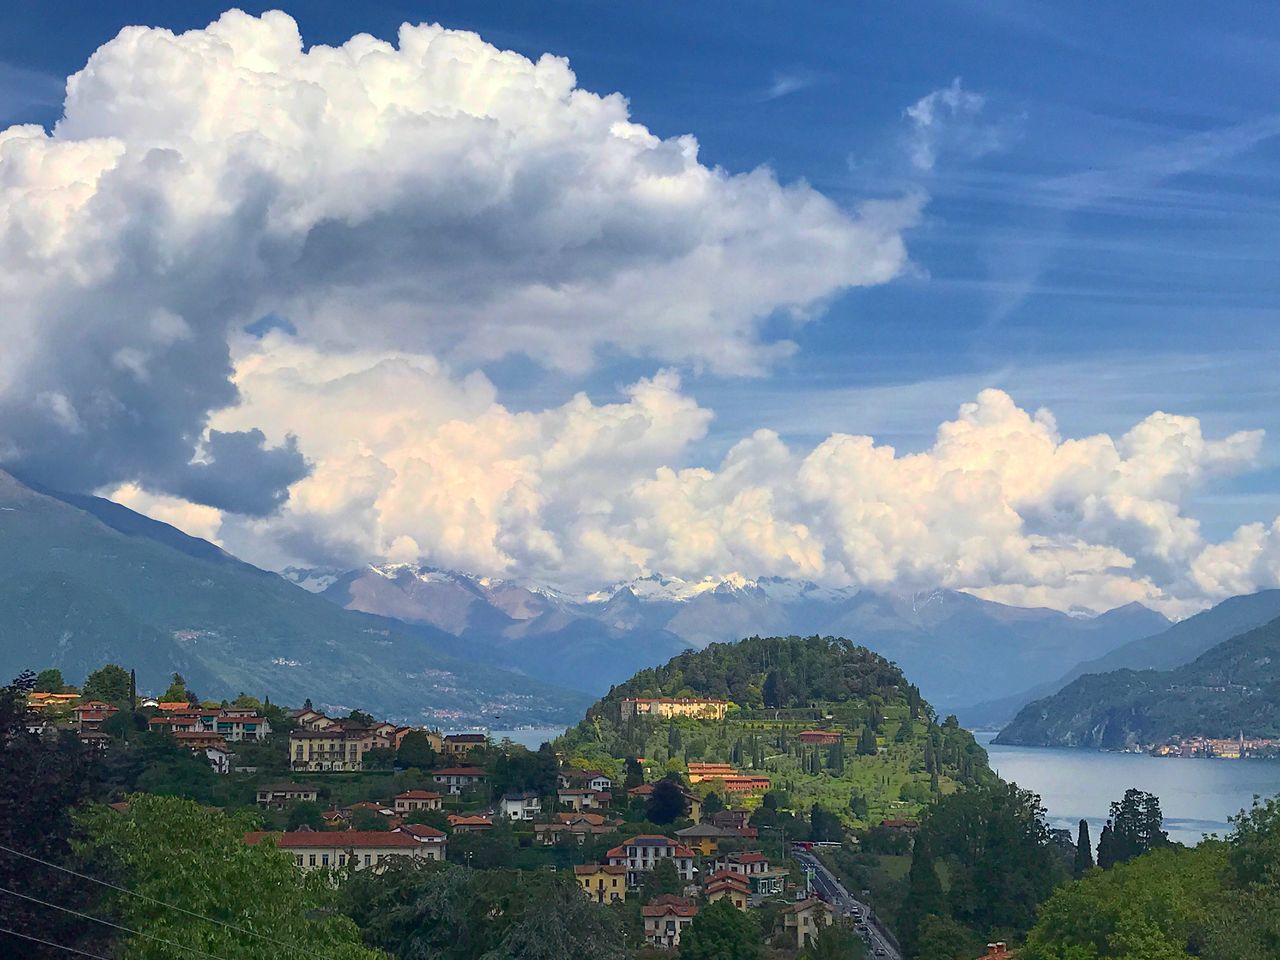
(531, 737)
(1196, 796)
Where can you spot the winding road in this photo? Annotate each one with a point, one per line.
(833, 891)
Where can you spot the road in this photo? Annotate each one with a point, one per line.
(833, 891)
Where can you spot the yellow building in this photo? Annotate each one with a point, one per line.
(806, 918)
(601, 882)
(327, 750)
(668, 707)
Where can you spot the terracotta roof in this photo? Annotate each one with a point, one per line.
(335, 839)
(668, 904)
(809, 904)
(588, 869)
(465, 820)
(422, 831)
(459, 772)
(728, 875)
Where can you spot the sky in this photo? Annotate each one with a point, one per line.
(968, 295)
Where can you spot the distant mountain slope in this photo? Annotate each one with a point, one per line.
(83, 582)
(1233, 687)
(1162, 650)
(947, 640)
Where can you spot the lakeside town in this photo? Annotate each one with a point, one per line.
(675, 843)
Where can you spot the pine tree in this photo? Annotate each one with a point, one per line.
(1084, 851)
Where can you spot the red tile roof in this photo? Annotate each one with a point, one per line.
(459, 772)
(335, 839)
(422, 831)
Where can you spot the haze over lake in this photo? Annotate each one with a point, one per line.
(1197, 796)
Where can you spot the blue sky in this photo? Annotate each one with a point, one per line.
(1100, 231)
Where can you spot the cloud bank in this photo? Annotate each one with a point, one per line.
(413, 461)
(434, 195)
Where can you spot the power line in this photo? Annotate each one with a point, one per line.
(109, 923)
(160, 903)
(50, 943)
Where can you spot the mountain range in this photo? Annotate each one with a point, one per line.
(1232, 688)
(945, 640)
(1180, 644)
(84, 581)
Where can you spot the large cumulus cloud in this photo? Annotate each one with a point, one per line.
(432, 195)
(414, 461)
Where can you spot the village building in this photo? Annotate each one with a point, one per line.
(641, 854)
(668, 707)
(460, 744)
(469, 823)
(584, 799)
(724, 773)
(436, 841)
(730, 819)
(706, 837)
(412, 800)
(806, 918)
(456, 779)
(50, 701)
(520, 806)
(585, 779)
(665, 918)
(729, 886)
(89, 717)
(312, 849)
(601, 882)
(326, 750)
(754, 867)
(578, 825)
(998, 951)
(219, 758)
(278, 794)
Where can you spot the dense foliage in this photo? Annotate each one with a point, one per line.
(773, 672)
(1218, 901)
(430, 911)
(41, 783)
(238, 902)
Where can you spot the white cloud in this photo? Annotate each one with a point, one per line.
(436, 195)
(952, 119)
(414, 462)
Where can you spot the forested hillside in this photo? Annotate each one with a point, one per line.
(1234, 687)
(888, 753)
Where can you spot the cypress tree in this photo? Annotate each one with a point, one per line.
(924, 895)
(1084, 851)
(1106, 847)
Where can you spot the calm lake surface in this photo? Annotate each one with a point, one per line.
(531, 737)
(1197, 796)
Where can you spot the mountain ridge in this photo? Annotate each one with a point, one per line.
(944, 637)
(84, 582)
(1233, 687)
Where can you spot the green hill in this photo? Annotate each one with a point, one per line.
(1233, 687)
(780, 687)
(84, 582)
